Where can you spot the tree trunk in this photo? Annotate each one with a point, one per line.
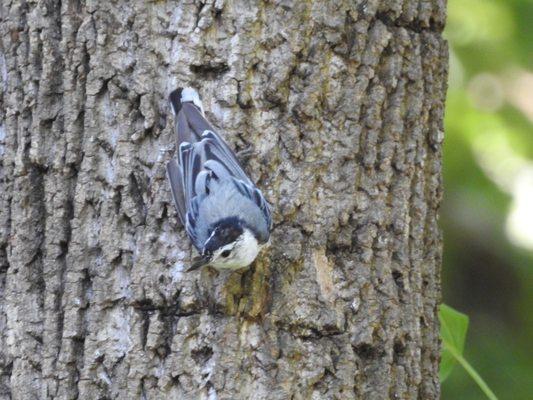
(342, 104)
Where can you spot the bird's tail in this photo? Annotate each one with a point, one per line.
(185, 95)
(189, 112)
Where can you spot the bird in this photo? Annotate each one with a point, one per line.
(225, 215)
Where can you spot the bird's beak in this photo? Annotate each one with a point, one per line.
(199, 261)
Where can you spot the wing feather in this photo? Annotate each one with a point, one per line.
(219, 151)
(175, 178)
(190, 227)
(254, 194)
(201, 184)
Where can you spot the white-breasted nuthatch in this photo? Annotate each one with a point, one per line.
(225, 215)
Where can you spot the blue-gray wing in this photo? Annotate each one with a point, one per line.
(187, 207)
(254, 194)
(211, 160)
(198, 165)
(219, 154)
(175, 177)
(195, 179)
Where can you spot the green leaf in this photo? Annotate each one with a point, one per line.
(453, 327)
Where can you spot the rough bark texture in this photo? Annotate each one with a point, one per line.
(342, 103)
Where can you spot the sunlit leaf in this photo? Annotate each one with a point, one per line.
(453, 327)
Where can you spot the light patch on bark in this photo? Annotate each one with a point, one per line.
(324, 274)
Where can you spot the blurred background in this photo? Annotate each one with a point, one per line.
(487, 214)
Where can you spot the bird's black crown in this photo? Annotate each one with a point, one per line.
(226, 231)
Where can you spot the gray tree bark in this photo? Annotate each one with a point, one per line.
(342, 103)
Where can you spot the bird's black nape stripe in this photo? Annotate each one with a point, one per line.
(224, 232)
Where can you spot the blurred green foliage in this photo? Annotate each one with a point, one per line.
(487, 214)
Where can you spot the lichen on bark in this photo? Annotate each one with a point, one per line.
(342, 104)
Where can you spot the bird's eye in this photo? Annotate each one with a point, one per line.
(225, 253)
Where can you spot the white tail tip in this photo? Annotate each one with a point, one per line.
(190, 95)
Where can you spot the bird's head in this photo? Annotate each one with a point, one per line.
(230, 245)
